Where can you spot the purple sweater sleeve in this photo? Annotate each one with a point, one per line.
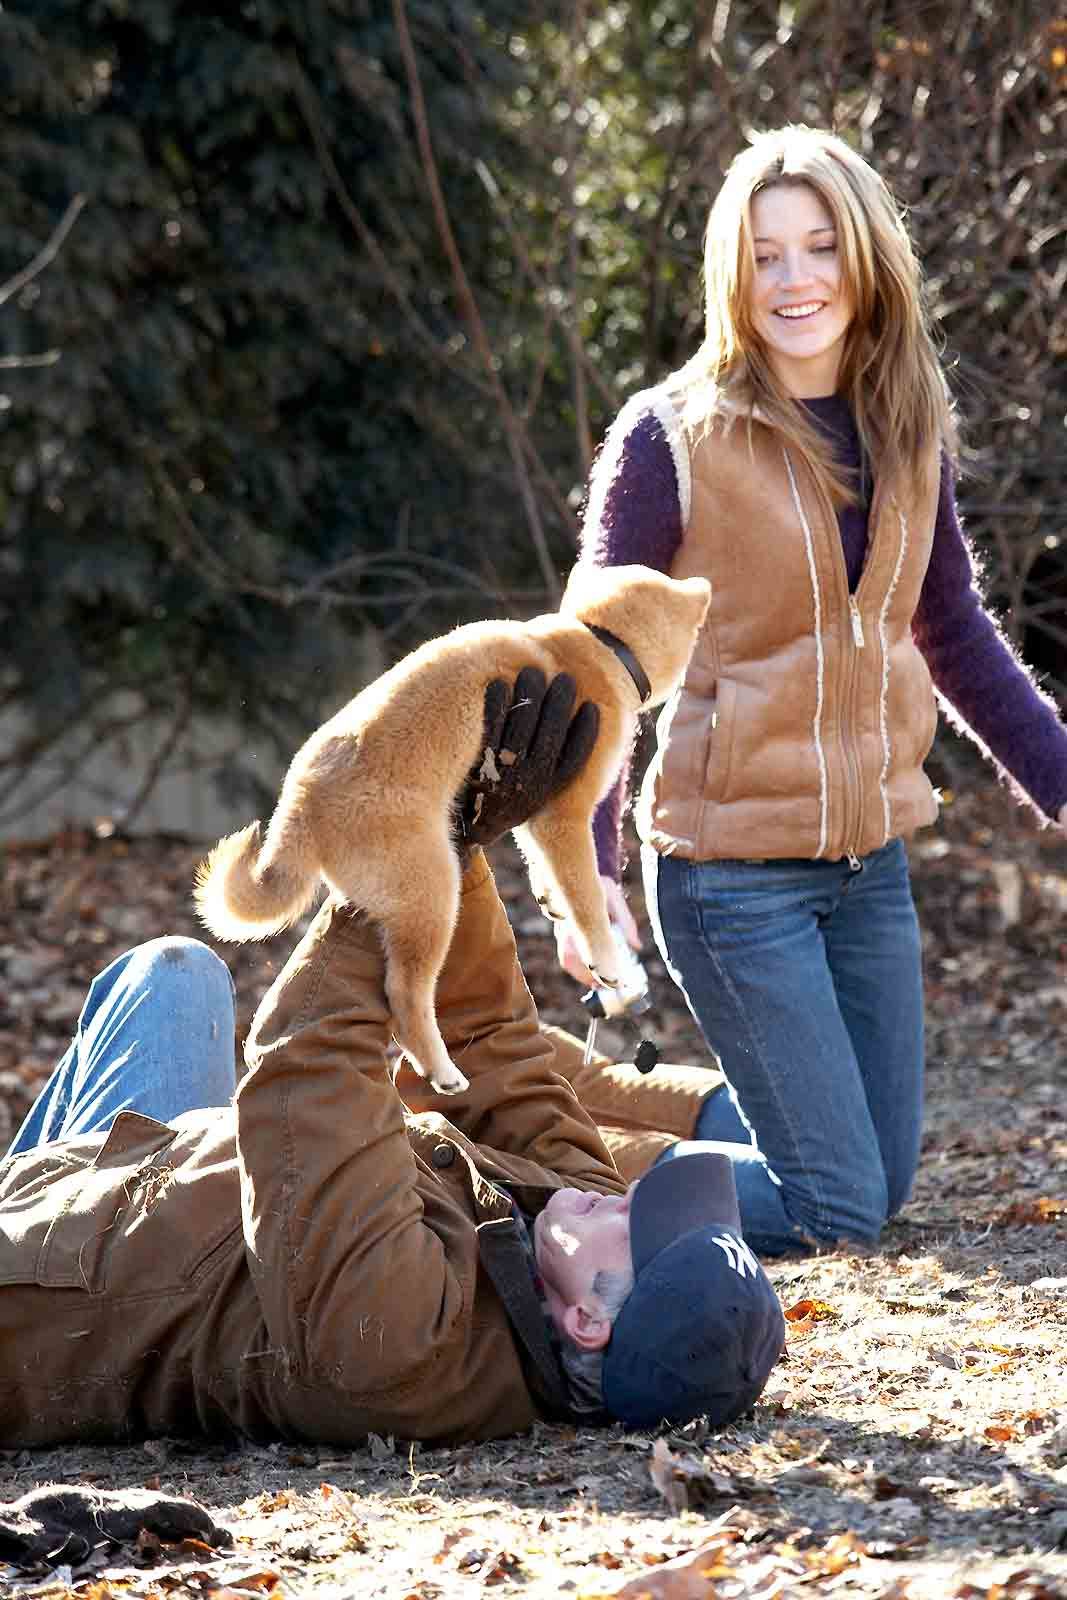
(633, 513)
(984, 688)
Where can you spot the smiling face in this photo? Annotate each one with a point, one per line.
(578, 1235)
(799, 302)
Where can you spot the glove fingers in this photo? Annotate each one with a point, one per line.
(469, 800)
(554, 720)
(496, 706)
(66, 1523)
(577, 744)
(525, 710)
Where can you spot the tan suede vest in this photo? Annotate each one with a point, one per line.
(806, 714)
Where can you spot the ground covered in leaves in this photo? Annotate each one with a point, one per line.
(913, 1442)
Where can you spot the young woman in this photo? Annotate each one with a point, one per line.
(803, 462)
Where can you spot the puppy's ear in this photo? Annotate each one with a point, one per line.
(699, 591)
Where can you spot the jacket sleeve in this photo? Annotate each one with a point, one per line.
(637, 504)
(330, 1206)
(332, 1210)
(517, 1103)
(987, 691)
(634, 511)
(667, 1100)
(638, 1114)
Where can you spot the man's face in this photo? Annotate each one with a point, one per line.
(577, 1235)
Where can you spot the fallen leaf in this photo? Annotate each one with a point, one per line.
(693, 1576)
(228, 1592)
(148, 1549)
(897, 1549)
(812, 1311)
(496, 1566)
(1025, 1213)
(945, 1357)
(489, 772)
(450, 1540)
(843, 1550)
(687, 1484)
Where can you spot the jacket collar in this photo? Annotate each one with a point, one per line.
(504, 1258)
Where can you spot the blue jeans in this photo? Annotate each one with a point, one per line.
(156, 1035)
(806, 980)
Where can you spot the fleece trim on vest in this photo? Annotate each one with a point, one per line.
(639, 405)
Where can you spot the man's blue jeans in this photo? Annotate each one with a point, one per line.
(806, 980)
(156, 1035)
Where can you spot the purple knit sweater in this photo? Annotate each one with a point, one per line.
(634, 514)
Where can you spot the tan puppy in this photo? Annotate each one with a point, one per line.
(367, 801)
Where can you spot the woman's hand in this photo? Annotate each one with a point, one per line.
(567, 942)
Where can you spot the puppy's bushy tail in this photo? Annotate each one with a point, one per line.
(248, 891)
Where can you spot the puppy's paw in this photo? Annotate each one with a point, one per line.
(603, 962)
(553, 912)
(449, 1082)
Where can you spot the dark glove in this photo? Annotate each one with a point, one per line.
(61, 1525)
(532, 747)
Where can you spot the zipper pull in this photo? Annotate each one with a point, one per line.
(857, 622)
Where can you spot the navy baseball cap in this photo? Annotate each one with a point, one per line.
(702, 1327)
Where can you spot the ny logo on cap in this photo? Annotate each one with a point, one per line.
(737, 1254)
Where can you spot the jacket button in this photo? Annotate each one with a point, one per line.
(443, 1155)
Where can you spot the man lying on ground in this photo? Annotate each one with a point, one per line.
(309, 1260)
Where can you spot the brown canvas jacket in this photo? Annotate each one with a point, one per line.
(806, 713)
(315, 1262)
(638, 1116)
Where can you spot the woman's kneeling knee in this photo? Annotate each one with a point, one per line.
(855, 1215)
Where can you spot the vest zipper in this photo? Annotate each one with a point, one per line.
(853, 771)
(855, 778)
(857, 621)
(855, 617)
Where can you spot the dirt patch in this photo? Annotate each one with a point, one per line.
(913, 1442)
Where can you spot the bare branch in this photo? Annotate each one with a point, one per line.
(566, 326)
(47, 358)
(516, 434)
(309, 107)
(182, 718)
(47, 252)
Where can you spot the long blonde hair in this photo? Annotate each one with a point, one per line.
(890, 372)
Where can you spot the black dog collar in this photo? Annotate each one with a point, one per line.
(626, 656)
